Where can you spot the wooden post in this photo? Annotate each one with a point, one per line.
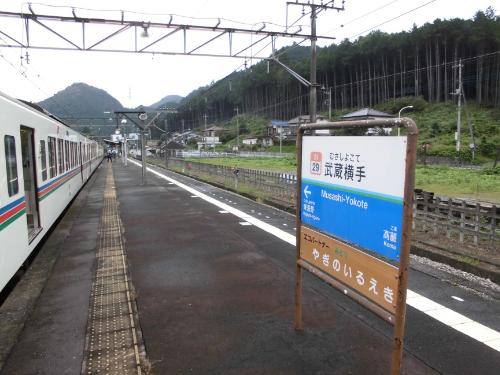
(400, 317)
(450, 219)
(462, 222)
(476, 228)
(436, 214)
(298, 223)
(493, 223)
(426, 210)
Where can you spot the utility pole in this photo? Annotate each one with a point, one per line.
(281, 137)
(237, 129)
(312, 96)
(315, 9)
(142, 118)
(459, 108)
(166, 141)
(330, 104)
(206, 134)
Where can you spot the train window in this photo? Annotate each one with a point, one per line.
(52, 157)
(11, 164)
(43, 160)
(66, 156)
(73, 154)
(60, 155)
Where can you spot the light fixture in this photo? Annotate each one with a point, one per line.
(145, 33)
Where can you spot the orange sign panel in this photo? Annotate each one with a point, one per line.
(369, 276)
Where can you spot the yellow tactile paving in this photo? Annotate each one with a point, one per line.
(112, 338)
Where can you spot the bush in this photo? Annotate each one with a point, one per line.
(393, 106)
(464, 155)
(487, 148)
(492, 171)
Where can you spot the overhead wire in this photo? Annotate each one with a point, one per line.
(362, 16)
(392, 19)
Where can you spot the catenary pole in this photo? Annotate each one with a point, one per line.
(312, 79)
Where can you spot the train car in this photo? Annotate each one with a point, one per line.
(43, 165)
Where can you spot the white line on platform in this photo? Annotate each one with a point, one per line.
(223, 212)
(433, 309)
(244, 223)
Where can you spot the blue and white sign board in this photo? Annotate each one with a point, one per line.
(353, 189)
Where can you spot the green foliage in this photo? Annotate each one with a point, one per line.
(364, 72)
(284, 164)
(81, 101)
(492, 171)
(393, 106)
(457, 182)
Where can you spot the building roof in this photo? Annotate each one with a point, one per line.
(278, 123)
(213, 128)
(303, 119)
(365, 113)
(172, 145)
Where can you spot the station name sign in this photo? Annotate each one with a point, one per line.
(353, 187)
(354, 217)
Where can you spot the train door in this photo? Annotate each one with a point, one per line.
(30, 183)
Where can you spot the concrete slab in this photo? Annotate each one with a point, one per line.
(211, 300)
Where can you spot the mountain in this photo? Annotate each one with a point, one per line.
(169, 101)
(81, 101)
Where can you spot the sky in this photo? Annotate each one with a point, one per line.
(136, 79)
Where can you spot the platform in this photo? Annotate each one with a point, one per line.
(163, 279)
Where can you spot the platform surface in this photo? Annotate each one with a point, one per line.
(213, 293)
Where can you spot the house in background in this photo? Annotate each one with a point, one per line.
(210, 137)
(369, 114)
(259, 141)
(366, 114)
(288, 129)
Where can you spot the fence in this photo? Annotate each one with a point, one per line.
(466, 221)
(218, 154)
(473, 223)
(272, 186)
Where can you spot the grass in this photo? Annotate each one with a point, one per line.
(286, 164)
(458, 183)
(443, 181)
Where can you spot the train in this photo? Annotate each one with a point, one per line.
(43, 165)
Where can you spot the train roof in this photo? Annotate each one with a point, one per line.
(36, 107)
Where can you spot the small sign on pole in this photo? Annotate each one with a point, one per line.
(354, 212)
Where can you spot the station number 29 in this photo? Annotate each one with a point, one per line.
(315, 167)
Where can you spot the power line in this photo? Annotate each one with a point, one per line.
(362, 16)
(392, 19)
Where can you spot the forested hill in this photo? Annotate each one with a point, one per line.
(81, 103)
(373, 69)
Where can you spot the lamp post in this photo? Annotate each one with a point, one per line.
(143, 117)
(399, 116)
(124, 149)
